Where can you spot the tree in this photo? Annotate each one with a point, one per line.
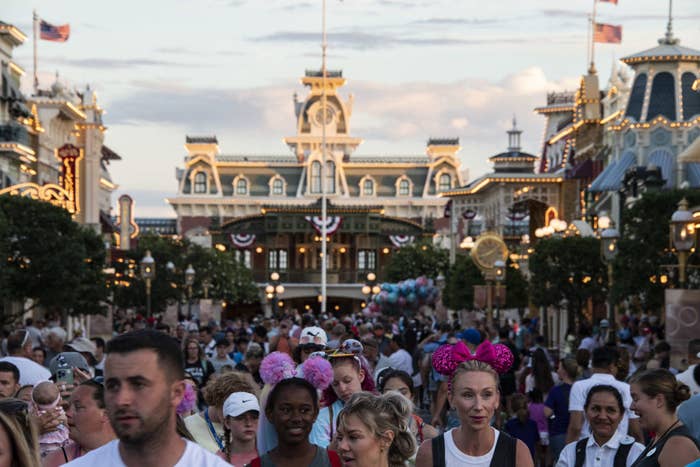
(50, 259)
(517, 290)
(570, 269)
(644, 247)
(419, 259)
(460, 280)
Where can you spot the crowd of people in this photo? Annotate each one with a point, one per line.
(347, 390)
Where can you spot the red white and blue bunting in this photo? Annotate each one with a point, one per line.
(332, 223)
(242, 240)
(400, 241)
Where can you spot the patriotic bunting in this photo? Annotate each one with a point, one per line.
(242, 240)
(400, 241)
(332, 223)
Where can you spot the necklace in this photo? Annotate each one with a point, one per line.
(665, 432)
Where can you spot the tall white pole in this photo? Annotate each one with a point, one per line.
(324, 233)
(35, 26)
(593, 26)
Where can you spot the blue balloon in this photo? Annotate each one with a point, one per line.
(411, 298)
(422, 292)
(386, 286)
(393, 297)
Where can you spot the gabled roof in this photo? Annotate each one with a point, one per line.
(664, 52)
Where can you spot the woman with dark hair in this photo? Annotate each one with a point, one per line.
(195, 363)
(350, 375)
(473, 390)
(541, 376)
(656, 394)
(399, 381)
(606, 447)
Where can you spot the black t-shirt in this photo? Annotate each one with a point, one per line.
(200, 371)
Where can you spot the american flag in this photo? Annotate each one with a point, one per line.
(608, 1)
(607, 33)
(49, 32)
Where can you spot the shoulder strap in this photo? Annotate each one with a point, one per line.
(65, 456)
(505, 452)
(438, 446)
(581, 452)
(621, 455)
(334, 458)
(330, 421)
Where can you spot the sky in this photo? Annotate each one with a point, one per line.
(164, 69)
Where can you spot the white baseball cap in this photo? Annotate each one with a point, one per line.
(313, 335)
(239, 403)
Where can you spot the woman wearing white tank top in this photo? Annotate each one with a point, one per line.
(473, 392)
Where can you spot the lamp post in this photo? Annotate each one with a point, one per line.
(273, 289)
(608, 247)
(683, 237)
(371, 288)
(189, 281)
(499, 275)
(148, 273)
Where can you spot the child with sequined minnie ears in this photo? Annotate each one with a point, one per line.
(473, 390)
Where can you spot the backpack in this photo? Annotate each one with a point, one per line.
(620, 456)
(503, 456)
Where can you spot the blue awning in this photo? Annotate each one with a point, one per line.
(610, 179)
(664, 160)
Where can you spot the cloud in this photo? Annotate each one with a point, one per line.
(109, 63)
(458, 21)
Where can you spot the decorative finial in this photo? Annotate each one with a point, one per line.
(592, 70)
(515, 123)
(668, 38)
(514, 137)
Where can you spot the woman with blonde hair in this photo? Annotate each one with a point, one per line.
(656, 394)
(373, 431)
(15, 449)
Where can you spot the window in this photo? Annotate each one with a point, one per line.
(366, 260)
(691, 97)
(242, 186)
(315, 177)
(277, 186)
(663, 97)
(243, 257)
(404, 187)
(277, 260)
(330, 177)
(200, 182)
(445, 182)
(634, 106)
(368, 187)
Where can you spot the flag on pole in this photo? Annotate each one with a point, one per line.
(607, 33)
(49, 32)
(614, 2)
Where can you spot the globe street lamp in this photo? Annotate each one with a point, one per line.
(189, 281)
(148, 273)
(608, 249)
(273, 289)
(683, 237)
(371, 288)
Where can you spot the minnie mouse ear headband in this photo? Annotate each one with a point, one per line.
(279, 366)
(349, 348)
(447, 358)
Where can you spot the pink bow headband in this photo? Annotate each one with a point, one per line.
(447, 358)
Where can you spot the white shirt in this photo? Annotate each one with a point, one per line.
(401, 360)
(600, 456)
(688, 378)
(210, 349)
(589, 343)
(579, 391)
(30, 372)
(456, 458)
(108, 456)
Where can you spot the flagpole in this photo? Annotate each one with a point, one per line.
(591, 69)
(324, 232)
(35, 24)
(588, 40)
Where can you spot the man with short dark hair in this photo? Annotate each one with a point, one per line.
(9, 380)
(400, 359)
(143, 387)
(99, 355)
(206, 339)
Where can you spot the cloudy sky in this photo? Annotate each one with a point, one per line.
(164, 69)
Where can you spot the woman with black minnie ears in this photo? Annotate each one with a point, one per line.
(473, 392)
(656, 394)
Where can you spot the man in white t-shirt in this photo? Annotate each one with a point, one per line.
(400, 359)
(143, 387)
(603, 367)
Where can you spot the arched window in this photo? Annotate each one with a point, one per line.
(277, 186)
(445, 182)
(200, 182)
(691, 97)
(634, 107)
(663, 97)
(330, 177)
(404, 187)
(315, 177)
(368, 187)
(242, 186)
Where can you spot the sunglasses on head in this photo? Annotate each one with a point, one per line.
(311, 347)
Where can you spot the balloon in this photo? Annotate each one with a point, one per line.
(402, 302)
(411, 298)
(393, 297)
(386, 286)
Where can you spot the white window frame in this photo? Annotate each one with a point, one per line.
(280, 179)
(365, 179)
(235, 185)
(398, 186)
(195, 183)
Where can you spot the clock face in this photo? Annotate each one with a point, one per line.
(487, 250)
(325, 117)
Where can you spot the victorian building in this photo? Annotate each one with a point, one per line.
(267, 207)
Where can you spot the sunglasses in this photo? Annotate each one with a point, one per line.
(311, 348)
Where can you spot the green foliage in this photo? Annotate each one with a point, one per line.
(517, 290)
(225, 278)
(460, 280)
(644, 247)
(567, 268)
(48, 258)
(419, 259)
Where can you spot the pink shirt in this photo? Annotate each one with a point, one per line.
(537, 414)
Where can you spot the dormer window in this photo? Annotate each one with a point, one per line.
(277, 186)
(404, 187)
(367, 187)
(241, 185)
(200, 182)
(445, 182)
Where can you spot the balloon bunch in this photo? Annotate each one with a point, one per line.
(406, 295)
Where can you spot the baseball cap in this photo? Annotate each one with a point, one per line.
(83, 344)
(604, 323)
(471, 335)
(239, 403)
(222, 342)
(72, 359)
(313, 335)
